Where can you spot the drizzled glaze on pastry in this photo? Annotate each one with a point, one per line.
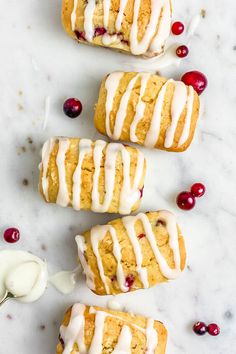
(98, 233)
(129, 194)
(74, 332)
(156, 33)
(182, 97)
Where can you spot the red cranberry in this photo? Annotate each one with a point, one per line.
(141, 192)
(182, 51)
(198, 190)
(141, 236)
(72, 107)
(99, 31)
(200, 328)
(177, 28)
(11, 235)
(196, 79)
(129, 280)
(213, 329)
(80, 35)
(185, 201)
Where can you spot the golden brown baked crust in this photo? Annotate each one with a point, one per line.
(122, 39)
(160, 222)
(112, 330)
(151, 94)
(49, 174)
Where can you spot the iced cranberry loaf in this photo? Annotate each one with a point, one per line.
(134, 252)
(95, 330)
(148, 110)
(92, 175)
(139, 27)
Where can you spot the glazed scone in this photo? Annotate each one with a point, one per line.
(148, 110)
(138, 27)
(131, 253)
(92, 175)
(95, 330)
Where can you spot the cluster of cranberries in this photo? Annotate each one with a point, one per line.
(187, 200)
(201, 328)
(177, 29)
(11, 235)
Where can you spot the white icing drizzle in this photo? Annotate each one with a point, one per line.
(155, 35)
(98, 233)
(180, 99)
(188, 118)
(46, 152)
(121, 113)
(81, 247)
(88, 20)
(85, 147)
(73, 15)
(74, 332)
(140, 108)
(124, 341)
(129, 194)
(111, 85)
(63, 195)
(154, 129)
(152, 337)
(177, 106)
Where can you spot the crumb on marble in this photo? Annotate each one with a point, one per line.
(203, 13)
(20, 107)
(228, 314)
(43, 247)
(218, 37)
(20, 93)
(30, 140)
(234, 47)
(189, 268)
(25, 182)
(42, 327)
(9, 316)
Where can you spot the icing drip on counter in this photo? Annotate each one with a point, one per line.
(182, 97)
(155, 35)
(65, 281)
(99, 232)
(23, 275)
(129, 194)
(75, 331)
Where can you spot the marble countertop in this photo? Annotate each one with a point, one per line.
(37, 61)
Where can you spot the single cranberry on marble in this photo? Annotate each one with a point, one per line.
(72, 107)
(196, 79)
(200, 328)
(213, 329)
(182, 51)
(198, 190)
(11, 235)
(177, 28)
(185, 200)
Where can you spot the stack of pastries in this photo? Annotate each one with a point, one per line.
(135, 251)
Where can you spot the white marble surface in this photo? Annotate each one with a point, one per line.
(38, 60)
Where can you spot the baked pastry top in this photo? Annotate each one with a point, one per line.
(148, 110)
(138, 27)
(92, 175)
(95, 330)
(131, 253)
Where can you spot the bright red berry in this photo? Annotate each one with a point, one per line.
(11, 235)
(196, 79)
(213, 329)
(200, 328)
(72, 107)
(185, 200)
(198, 190)
(177, 28)
(182, 51)
(129, 280)
(99, 31)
